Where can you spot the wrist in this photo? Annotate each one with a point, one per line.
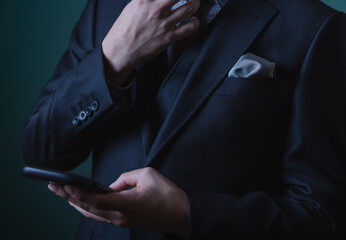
(116, 71)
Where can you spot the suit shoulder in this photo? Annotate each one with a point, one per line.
(293, 30)
(303, 18)
(303, 11)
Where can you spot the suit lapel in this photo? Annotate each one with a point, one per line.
(235, 28)
(148, 82)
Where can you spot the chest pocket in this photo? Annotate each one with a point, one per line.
(249, 87)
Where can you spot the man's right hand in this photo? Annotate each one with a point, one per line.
(144, 29)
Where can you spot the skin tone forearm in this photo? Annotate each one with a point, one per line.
(143, 30)
(153, 202)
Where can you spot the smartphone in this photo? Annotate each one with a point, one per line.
(64, 178)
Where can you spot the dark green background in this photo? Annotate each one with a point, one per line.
(34, 34)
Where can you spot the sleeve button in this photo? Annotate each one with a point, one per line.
(94, 106)
(82, 115)
(75, 121)
(88, 111)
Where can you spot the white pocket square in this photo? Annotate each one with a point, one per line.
(251, 66)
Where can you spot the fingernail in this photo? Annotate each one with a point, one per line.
(69, 190)
(52, 187)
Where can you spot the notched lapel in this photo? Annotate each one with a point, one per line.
(234, 29)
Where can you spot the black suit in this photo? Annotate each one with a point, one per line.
(259, 157)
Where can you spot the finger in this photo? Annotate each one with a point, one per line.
(182, 13)
(186, 29)
(126, 180)
(112, 201)
(88, 210)
(89, 215)
(163, 8)
(58, 190)
(113, 217)
(168, 4)
(53, 187)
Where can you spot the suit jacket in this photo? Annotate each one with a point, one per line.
(258, 157)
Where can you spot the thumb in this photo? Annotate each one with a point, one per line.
(126, 180)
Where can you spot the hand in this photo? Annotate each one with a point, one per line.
(143, 29)
(153, 202)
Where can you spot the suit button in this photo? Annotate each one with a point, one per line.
(82, 115)
(88, 111)
(75, 121)
(94, 106)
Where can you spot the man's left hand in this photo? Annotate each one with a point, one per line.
(143, 199)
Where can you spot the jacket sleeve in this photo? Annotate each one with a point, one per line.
(74, 107)
(312, 203)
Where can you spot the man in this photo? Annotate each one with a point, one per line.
(240, 104)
